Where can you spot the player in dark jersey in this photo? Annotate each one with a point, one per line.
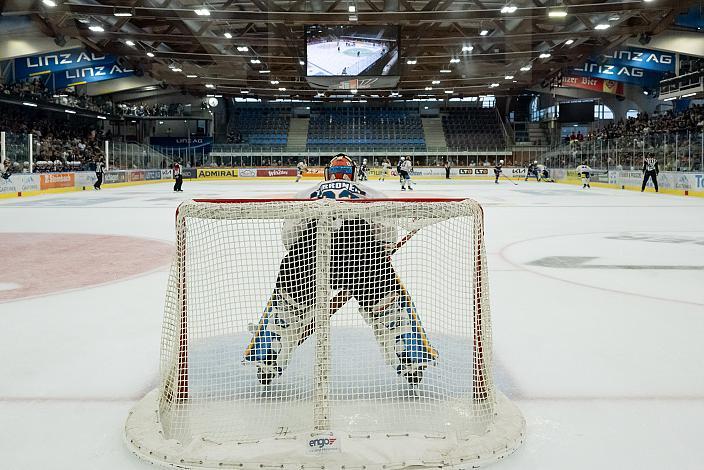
(497, 170)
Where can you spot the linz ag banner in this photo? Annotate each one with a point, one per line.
(89, 74)
(594, 84)
(54, 62)
(199, 143)
(641, 67)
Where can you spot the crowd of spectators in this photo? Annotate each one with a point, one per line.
(690, 120)
(34, 90)
(58, 145)
(157, 110)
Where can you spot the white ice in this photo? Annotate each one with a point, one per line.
(333, 58)
(597, 302)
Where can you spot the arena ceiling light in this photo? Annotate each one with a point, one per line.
(467, 48)
(228, 36)
(602, 26)
(49, 3)
(449, 92)
(483, 32)
(69, 111)
(202, 11)
(454, 61)
(494, 85)
(177, 69)
(445, 70)
(300, 62)
(129, 43)
(274, 82)
(412, 61)
(569, 42)
(125, 12)
(428, 88)
(242, 48)
(526, 68)
(191, 76)
(508, 77)
(507, 9)
(101, 117)
(150, 54)
(96, 28)
(545, 55)
(688, 95)
(255, 61)
(265, 71)
(31, 105)
(352, 8)
(282, 89)
(436, 82)
(209, 86)
(244, 92)
(557, 13)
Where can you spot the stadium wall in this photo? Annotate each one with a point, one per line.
(23, 184)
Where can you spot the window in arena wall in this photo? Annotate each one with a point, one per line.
(601, 111)
(632, 113)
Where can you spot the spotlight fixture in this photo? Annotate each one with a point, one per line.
(300, 62)
(428, 88)
(242, 48)
(445, 70)
(264, 71)
(255, 61)
(508, 77)
(569, 42)
(209, 85)
(454, 61)
(353, 91)
(688, 95)
(177, 69)
(96, 28)
(412, 61)
(602, 26)
(557, 13)
(129, 43)
(228, 35)
(282, 89)
(494, 85)
(449, 92)
(544, 55)
(526, 68)
(436, 82)
(351, 8)
(467, 48)
(483, 32)
(202, 11)
(244, 92)
(274, 82)
(150, 54)
(191, 76)
(49, 3)
(509, 9)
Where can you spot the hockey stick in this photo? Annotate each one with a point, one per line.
(516, 184)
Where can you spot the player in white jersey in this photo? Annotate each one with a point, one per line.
(360, 268)
(300, 168)
(405, 168)
(385, 168)
(585, 173)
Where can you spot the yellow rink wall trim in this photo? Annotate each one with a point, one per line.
(78, 188)
(648, 189)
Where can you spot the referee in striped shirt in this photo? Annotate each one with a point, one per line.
(650, 171)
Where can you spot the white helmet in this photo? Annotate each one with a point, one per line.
(403, 158)
(536, 162)
(501, 161)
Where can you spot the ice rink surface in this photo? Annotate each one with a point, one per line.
(597, 301)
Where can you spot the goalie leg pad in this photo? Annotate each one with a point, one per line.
(279, 332)
(400, 335)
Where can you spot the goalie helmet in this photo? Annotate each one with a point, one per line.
(341, 167)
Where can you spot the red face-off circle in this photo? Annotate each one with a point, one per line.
(35, 264)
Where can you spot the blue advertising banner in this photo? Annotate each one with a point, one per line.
(641, 67)
(625, 74)
(642, 58)
(199, 143)
(52, 62)
(90, 74)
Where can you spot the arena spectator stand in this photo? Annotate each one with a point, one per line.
(473, 128)
(365, 127)
(259, 126)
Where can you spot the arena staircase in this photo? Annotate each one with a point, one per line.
(297, 134)
(434, 135)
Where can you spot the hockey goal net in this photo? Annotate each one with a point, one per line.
(328, 334)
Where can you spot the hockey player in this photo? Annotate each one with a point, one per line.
(497, 170)
(99, 170)
(544, 174)
(398, 169)
(533, 171)
(300, 168)
(6, 168)
(385, 168)
(363, 170)
(360, 267)
(178, 177)
(585, 173)
(405, 171)
(650, 170)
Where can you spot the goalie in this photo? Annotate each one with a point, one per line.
(360, 267)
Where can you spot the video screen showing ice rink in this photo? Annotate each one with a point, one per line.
(351, 51)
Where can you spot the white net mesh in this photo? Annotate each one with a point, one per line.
(360, 320)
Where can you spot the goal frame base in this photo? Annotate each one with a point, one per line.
(381, 451)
